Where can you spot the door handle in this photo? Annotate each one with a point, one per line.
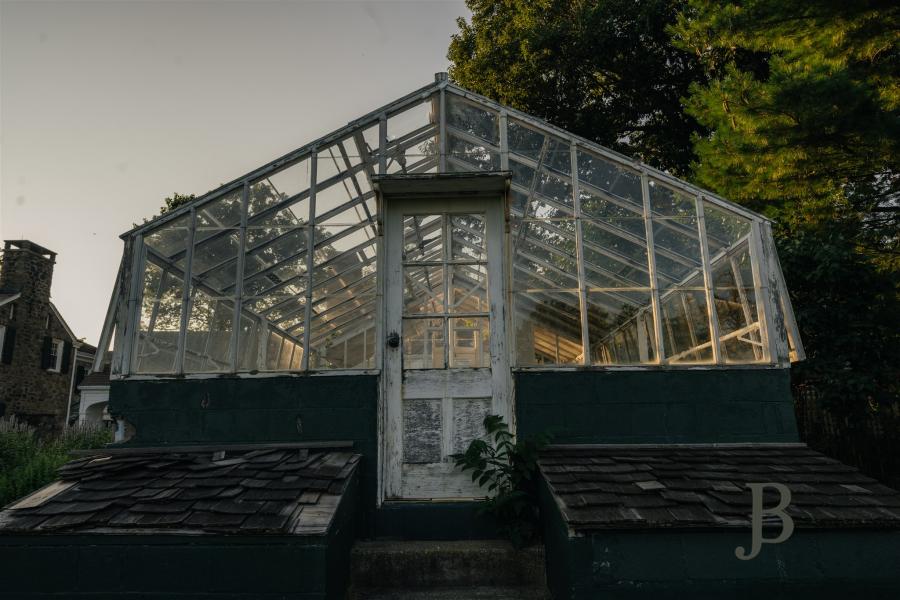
(393, 340)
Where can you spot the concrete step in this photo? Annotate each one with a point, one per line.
(471, 564)
(457, 593)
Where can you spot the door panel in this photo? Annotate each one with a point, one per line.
(443, 295)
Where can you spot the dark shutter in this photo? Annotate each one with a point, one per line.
(80, 372)
(45, 353)
(9, 342)
(67, 357)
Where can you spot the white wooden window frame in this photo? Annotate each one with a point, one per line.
(57, 349)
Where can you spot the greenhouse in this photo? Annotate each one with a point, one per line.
(300, 356)
(608, 262)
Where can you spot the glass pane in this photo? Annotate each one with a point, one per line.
(423, 289)
(252, 338)
(169, 240)
(558, 156)
(272, 248)
(288, 317)
(614, 256)
(620, 328)
(547, 328)
(423, 237)
(600, 206)
(723, 229)
(423, 344)
(340, 248)
(736, 309)
(160, 322)
(344, 337)
(343, 204)
(686, 327)
(667, 202)
(470, 342)
(544, 255)
(524, 140)
(553, 198)
(471, 119)
(277, 187)
(597, 174)
(283, 353)
(467, 237)
(467, 156)
(677, 247)
(329, 162)
(468, 289)
(409, 120)
(522, 175)
(209, 333)
(214, 263)
(218, 214)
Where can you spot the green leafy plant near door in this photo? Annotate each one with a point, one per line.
(506, 467)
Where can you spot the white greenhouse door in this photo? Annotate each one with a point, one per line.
(444, 297)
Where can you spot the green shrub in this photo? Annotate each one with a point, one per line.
(28, 462)
(508, 469)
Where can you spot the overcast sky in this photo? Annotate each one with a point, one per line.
(108, 107)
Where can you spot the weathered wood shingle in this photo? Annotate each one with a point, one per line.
(261, 491)
(621, 487)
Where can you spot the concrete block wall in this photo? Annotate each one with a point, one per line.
(657, 406)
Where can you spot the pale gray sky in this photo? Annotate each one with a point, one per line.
(108, 107)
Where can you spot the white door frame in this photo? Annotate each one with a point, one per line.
(432, 198)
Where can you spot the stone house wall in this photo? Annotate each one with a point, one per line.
(28, 389)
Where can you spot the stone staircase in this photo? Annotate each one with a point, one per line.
(451, 570)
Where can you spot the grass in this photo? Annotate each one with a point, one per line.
(28, 461)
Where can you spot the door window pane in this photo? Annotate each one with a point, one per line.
(467, 238)
(423, 238)
(423, 289)
(423, 344)
(468, 289)
(470, 342)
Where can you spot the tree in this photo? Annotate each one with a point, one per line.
(603, 70)
(803, 112)
(174, 201)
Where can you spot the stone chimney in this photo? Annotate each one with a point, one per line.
(27, 268)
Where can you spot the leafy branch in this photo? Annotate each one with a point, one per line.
(507, 468)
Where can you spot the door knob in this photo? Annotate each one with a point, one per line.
(393, 340)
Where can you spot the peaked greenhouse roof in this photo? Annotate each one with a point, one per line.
(614, 262)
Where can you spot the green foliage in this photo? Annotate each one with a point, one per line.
(802, 101)
(605, 70)
(28, 462)
(507, 469)
(803, 106)
(849, 315)
(174, 201)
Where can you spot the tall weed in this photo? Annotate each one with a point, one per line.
(28, 461)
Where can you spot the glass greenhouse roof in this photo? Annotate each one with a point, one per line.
(613, 262)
